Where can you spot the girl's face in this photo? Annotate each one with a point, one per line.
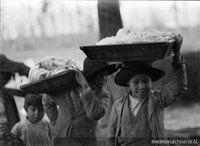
(100, 80)
(35, 114)
(140, 85)
(3, 119)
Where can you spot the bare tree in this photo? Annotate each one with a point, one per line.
(109, 17)
(176, 13)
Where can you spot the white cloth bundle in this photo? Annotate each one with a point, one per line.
(127, 36)
(51, 65)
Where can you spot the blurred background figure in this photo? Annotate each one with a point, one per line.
(3, 119)
(7, 139)
(7, 70)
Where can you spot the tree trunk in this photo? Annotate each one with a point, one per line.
(109, 17)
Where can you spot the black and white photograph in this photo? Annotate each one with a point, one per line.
(99, 73)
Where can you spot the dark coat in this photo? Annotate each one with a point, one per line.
(7, 69)
(157, 101)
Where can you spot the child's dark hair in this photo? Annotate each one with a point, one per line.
(33, 99)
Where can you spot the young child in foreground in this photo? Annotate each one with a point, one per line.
(33, 130)
(137, 118)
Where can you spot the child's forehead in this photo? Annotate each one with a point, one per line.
(140, 76)
(35, 106)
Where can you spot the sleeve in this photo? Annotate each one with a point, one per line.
(16, 130)
(176, 86)
(8, 65)
(112, 127)
(95, 107)
(50, 108)
(49, 129)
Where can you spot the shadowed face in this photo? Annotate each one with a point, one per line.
(140, 85)
(100, 80)
(35, 114)
(3, 119)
